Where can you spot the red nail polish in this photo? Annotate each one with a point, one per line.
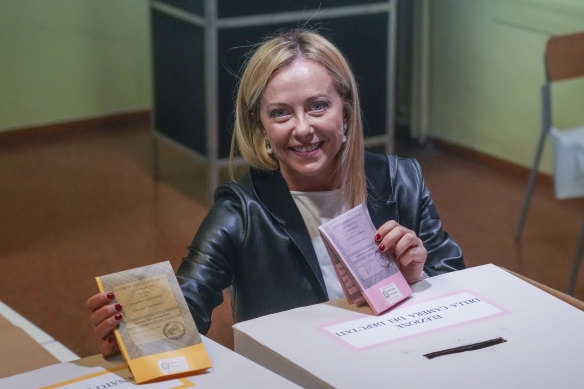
(118, 316)
(118, 307)
(381, 247)
(377, 237)
(111, 296)
(110, 339)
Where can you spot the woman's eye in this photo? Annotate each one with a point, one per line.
(276, 113)
(319, 105)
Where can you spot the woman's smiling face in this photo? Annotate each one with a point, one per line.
(302, 116)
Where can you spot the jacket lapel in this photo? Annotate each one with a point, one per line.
(272, 191)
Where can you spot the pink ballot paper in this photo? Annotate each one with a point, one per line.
(366, 274)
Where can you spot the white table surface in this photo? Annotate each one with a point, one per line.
(230, 370)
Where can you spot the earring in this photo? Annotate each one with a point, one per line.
(268, 146)
(345, 129)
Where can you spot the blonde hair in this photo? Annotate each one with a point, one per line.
(275, 54)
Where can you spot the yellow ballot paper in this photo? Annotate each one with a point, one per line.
(158, 337)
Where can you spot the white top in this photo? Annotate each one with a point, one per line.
(316, 209)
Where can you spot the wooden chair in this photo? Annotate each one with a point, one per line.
(563, 60)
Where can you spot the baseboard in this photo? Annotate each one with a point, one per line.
(489, 160)
(50, 131)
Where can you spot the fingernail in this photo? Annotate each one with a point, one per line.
(111, 296)
(377, 237)
(381, 247)
(118, 307)
(118, 316)
(110, 339)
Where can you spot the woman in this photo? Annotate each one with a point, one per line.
(298, 125)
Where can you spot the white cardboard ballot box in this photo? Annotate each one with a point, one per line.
(229, 370)
(336, 345)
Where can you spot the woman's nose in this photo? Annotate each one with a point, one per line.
(303, 128)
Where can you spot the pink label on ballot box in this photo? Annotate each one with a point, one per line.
(413, 319)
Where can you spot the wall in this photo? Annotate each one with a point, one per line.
(64, 60)
(487, 70)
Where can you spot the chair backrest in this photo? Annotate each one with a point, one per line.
(564, 57)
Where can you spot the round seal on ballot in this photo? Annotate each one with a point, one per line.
(382, 259)
(174, 330)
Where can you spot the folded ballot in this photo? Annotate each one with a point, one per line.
(157, 337)
(366, 274)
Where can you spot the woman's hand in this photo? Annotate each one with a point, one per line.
(405, 246)
(105, 317)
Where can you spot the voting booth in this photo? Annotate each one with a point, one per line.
(198, 48)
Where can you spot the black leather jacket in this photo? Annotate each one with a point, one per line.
(254, 240)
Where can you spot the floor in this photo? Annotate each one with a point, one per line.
(77, 205)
